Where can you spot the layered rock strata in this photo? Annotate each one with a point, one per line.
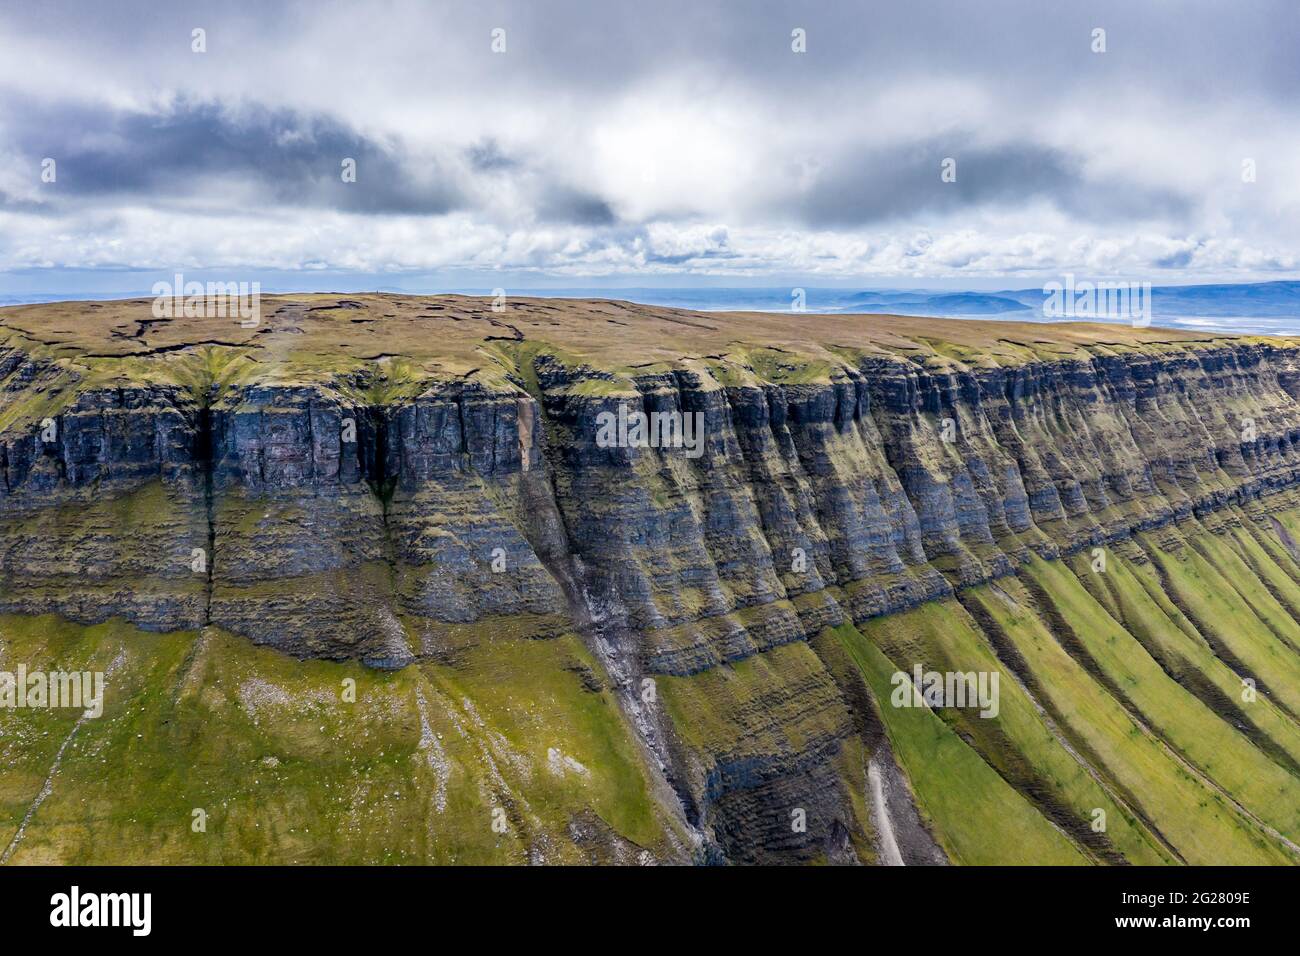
(376, 510)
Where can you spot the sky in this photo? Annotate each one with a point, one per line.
(555, 143)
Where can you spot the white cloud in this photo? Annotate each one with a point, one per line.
(614, 140)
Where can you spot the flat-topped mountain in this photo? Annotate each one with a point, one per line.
(439, 331)
(641, 580)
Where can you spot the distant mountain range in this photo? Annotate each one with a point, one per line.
(1224, 300)
(1259, 307)
(1256, 307)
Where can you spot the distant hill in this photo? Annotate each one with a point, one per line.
(955, 304)
(1253, 307)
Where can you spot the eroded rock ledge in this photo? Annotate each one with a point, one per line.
(378, 510)
(334, 520)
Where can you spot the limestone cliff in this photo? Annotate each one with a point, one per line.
(393, 480)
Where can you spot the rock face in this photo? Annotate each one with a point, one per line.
(370, 512)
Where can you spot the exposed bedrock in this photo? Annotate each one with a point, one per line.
(326, 523)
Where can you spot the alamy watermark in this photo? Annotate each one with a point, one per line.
(133, 911)
(77, 690)
(954, 689)
(637, 429)
(1128, 301)
(241, 300)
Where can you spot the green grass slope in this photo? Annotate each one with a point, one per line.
(1218, 751)
(1226, 617)
(1131, 593)
(976, 815)
(1188, 813)
(515, 754)
(1020, 743)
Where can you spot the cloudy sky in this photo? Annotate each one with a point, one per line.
(635, 142)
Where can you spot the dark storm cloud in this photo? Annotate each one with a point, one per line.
(860, 188)
(10, 203)
(285, 158)
(1196, 47)
(1031, 54)
(892, 183)
(562, 204)
(288, 158)
(488, 156)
